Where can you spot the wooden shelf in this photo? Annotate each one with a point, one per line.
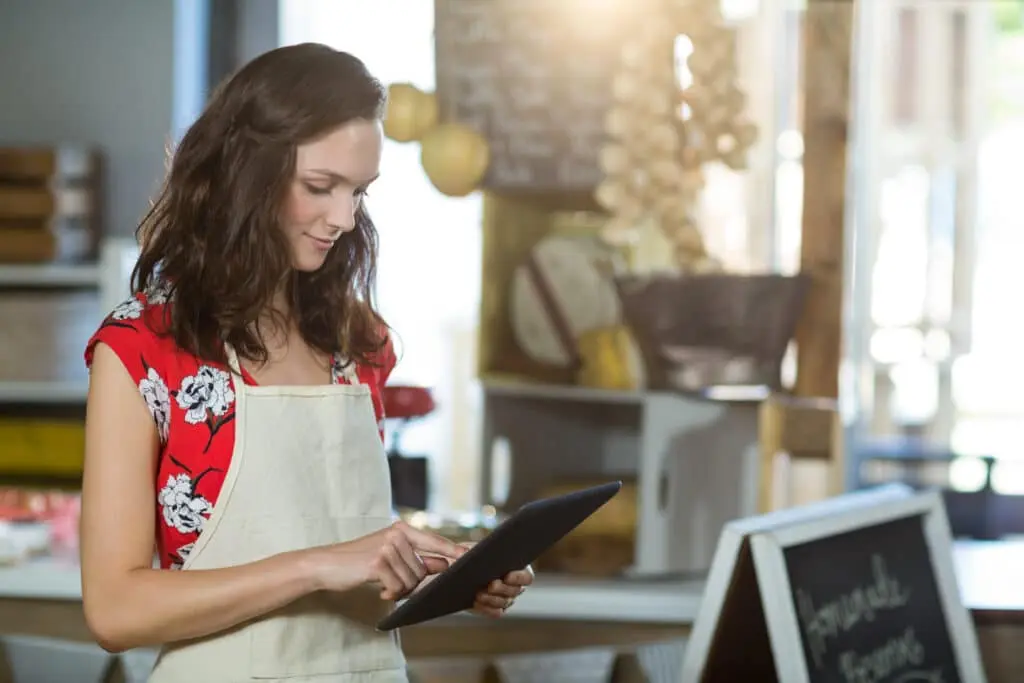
(43, 393)
(50, 275)
(563, 392)
(557, 392)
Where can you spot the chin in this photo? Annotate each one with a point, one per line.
(309, 263)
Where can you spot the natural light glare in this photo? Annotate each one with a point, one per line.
(789, 197)
(941, 215)
(790, 144)
(937, 202)
(683, 49)
(996, 436)
(900, 278)
(937, 345)
(983, 383)
(1001, 243)
(896, 344)
(739, 10)
(915, 395)
(966, 474)
(1008, 478)
(428, 284)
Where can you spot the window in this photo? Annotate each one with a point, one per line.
(429, 268)
(938, 227)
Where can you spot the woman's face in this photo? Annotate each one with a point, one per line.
(332, 175)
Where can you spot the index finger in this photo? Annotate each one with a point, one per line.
(427, 542)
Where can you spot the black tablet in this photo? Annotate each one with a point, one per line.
(515, 543)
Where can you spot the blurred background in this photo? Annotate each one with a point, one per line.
(875, 192)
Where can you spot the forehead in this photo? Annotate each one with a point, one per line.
(352, 150)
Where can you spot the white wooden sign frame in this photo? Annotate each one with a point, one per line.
(769, 535)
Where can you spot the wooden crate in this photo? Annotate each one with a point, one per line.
(512, 226)
(49, 204)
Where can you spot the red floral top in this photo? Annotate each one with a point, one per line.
(192, 402)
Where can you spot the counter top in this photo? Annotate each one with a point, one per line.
(551, 597)
(41, 579)
(989, 574)
(622, 600)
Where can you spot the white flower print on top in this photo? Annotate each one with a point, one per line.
(182, 508)
(180, 556)
(158, 294)
(130, 309)
(207, 397)
(204, 394)
(342, 371)
(158, 400)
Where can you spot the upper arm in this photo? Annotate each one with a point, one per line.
(122, 444)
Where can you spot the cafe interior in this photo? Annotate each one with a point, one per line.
(741, 255)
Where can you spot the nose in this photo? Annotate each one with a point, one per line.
(341, 216)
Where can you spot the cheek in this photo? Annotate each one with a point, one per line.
(300, 211)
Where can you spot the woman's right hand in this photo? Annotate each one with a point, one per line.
(394, 560)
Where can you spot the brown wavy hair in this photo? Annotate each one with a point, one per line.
(212, 237)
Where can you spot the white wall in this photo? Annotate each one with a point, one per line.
(97, 72)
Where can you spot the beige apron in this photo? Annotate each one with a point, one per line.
(308, 469)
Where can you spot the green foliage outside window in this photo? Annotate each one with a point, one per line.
(1008, 15)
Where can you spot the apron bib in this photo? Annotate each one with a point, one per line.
(308, 469)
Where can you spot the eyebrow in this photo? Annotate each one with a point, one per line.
(338, 178)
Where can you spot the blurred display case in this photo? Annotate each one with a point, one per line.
(47, 314)
(690, 461)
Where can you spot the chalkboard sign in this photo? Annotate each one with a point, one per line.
(534, 77)
(857, 589)
(869, 606)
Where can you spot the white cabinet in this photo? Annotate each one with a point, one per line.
(694, 459)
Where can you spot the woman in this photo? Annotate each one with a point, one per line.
(244, 379)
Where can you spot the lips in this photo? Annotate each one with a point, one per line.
(322, 243)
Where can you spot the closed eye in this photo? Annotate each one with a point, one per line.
(316, 189)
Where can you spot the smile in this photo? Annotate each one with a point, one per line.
(321, 243)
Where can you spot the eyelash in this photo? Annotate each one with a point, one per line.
(361, 193)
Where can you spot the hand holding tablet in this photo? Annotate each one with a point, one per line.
(513, 545)
(500, 594)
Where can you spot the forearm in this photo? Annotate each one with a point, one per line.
(152, 606)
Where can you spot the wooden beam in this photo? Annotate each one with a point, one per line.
(827, 53)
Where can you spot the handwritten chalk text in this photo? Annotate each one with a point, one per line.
(880, 664)
(824, 622)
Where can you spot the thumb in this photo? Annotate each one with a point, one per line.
(434, 565)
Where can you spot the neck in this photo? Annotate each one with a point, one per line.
(280, 304)
(275, 322)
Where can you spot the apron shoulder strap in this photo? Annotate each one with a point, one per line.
(233, 363)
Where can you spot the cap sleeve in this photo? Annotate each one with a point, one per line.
(128, 333)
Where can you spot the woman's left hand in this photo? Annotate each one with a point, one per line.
(501, 594)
